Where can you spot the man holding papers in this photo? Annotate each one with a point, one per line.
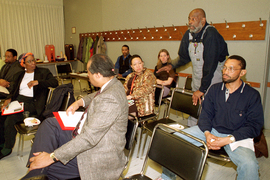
(94, 149)
(232, 115)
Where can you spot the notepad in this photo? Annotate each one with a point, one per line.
(68, 122)
(4, 90)
(13, 108)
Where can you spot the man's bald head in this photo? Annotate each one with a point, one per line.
(197, 20)
(200, 12)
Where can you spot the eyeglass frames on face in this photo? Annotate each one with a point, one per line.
(30, 61)
(230, 69)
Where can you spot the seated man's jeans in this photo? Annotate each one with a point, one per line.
(243, 158)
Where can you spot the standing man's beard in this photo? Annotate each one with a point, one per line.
(196, 29)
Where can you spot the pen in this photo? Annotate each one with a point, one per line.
(6, 106)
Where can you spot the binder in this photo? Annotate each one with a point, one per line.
(68, 122)
(7, 111)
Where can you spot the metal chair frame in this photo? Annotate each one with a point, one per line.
(130, 140)
(174, 153)
(23, 130)
(144, 119)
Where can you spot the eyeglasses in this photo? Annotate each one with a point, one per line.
(230, 69)
(30, 61)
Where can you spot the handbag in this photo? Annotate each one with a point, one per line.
(260, 146)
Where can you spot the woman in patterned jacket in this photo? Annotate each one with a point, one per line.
(140, 88)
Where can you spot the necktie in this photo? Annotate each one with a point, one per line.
(75, 131)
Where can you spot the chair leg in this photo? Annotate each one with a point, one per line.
(18, 151)
(80, 85)
(145, 140)
(140, 141)
(22, 145)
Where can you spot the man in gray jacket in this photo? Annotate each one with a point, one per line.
(95, 152)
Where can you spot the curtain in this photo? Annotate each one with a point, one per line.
(28, 27)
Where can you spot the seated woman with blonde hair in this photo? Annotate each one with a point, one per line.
(163, 78)
(140, 88)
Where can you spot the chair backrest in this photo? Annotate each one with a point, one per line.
(160, 96)
(49, 97)
(65, 102)
(176, 154)
(181, 100)
(175, 81)
(188, 83)
(61, 98)
(66, 68)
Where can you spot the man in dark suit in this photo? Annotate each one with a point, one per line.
(99, 146)
(10, 68)
(31, 87)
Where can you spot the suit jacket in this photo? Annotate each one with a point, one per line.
(100, 145)
(45, 80)
(14, 68)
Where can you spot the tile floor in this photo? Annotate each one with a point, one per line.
(13, 167)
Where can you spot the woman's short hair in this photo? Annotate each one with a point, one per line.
(101, 63)
(135, 56)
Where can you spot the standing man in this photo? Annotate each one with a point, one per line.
(206, 49)
(11, 67)
(95, 148)
(122, 64)
(232, 115)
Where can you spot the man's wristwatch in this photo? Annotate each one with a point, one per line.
(53, 157)
(232, 138)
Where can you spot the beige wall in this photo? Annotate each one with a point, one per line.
(51, 2)
(103, 15)
(85, 15)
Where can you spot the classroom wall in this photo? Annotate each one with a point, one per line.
(92, 16)
(51, 2)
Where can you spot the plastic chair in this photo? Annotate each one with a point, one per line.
(63, 72)
(174, 153)
(181, 102)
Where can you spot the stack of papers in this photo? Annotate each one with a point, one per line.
(68, 122)
(13, 107)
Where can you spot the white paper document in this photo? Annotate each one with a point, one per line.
(247, 143)
(4, 90)
(13, 107)
(68, 122)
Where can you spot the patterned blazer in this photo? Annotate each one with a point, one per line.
(100, 145)
(143, 91)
